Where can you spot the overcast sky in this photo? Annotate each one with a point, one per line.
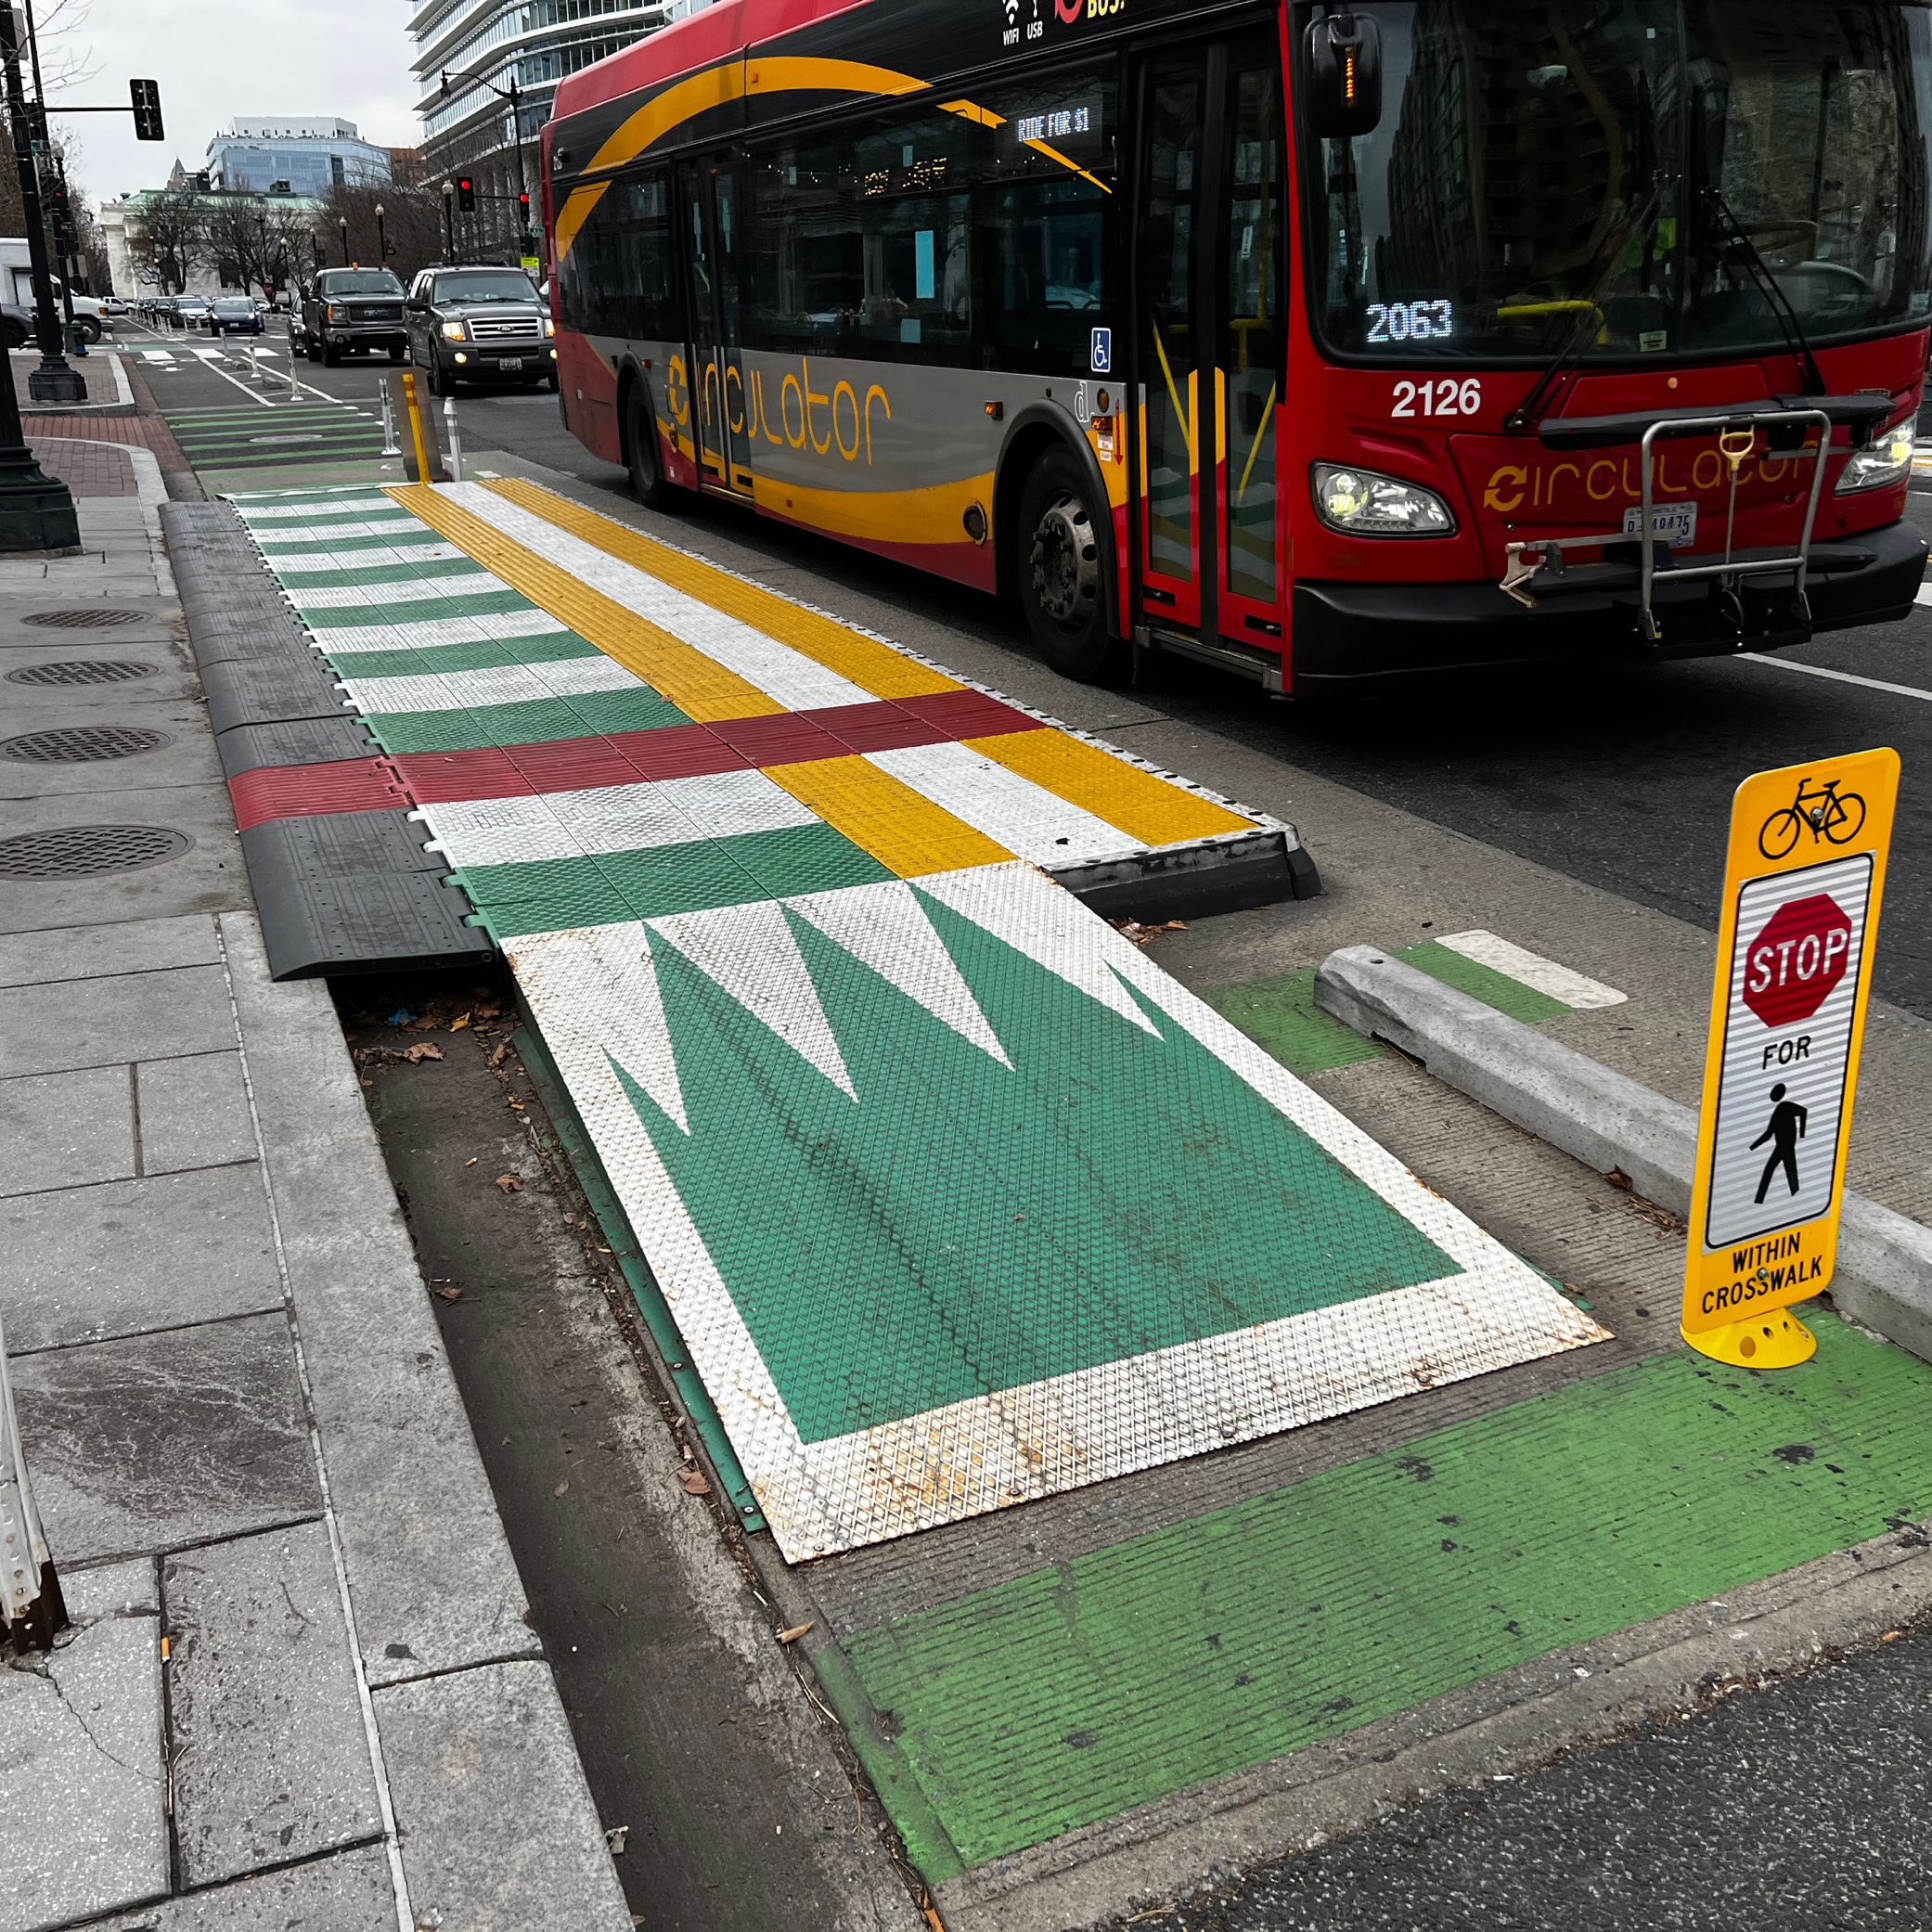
(217, 58)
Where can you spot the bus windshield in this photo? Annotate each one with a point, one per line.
(1618, 177)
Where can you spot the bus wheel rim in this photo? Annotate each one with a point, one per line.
(1065, 560)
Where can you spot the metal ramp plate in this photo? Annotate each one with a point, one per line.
(957, 1198)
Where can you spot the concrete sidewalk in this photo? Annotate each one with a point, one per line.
(300, 1685)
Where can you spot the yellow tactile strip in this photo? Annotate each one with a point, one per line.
(699, 686)
(885, 816)
(872, 666)
(1145, 806)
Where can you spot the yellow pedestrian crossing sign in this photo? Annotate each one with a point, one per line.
(1802, 884)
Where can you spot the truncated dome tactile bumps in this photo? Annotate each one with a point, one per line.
(957, 1198)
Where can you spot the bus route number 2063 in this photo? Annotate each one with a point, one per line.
(1445, 397)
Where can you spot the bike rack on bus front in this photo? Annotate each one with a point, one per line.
(1522, 580)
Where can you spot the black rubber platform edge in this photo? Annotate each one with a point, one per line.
(294, 741)
(354, 892)
(1261, 869)
(337, 892)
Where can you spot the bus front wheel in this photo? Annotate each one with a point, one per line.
(640, 451)
(1058, 571)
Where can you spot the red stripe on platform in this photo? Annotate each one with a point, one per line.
(305, 791)
(621, 757)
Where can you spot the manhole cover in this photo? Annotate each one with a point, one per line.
(84, 670)
(81, 620)
(82, 744)
(84, 851)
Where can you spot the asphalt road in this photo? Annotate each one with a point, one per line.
(1619, 777)
(1800, 1808)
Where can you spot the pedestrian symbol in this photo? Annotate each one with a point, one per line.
(1785, 1129)
(1787, 1016)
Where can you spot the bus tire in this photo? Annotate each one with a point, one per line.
(640, 451)
(1060, 572)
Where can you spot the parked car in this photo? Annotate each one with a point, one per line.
(344, 310)
(190, 312)
(16, 326)
(159, 312)
(232, 314)
(113, 306)
(481, 325)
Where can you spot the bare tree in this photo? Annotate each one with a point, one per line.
(168, 236)
(412, 224)
(259, 241)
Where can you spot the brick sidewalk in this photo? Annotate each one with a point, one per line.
(88, 467)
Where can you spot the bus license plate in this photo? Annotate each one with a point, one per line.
(510, 362)
(1675, 522)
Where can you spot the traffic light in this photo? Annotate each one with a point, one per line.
(466, 194)
(145, 95)
(524, 210)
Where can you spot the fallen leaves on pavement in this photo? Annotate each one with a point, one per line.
(509, 1183)
(694, 1483)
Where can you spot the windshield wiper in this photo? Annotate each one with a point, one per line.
(1526, 414)
(1769, 286)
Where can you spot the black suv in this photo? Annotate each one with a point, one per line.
(345, 309)
(468, 325)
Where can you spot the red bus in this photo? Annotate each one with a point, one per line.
(1316, 341)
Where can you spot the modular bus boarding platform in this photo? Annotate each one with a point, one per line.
(954, 1197)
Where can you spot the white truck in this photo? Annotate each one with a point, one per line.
(17, 286)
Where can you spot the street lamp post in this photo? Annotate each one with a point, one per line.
(381, 235)
(342, 221)
(52, 382)
(449, 221)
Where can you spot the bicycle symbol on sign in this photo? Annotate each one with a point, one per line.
(1821, 811)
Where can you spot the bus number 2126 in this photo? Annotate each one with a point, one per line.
(1447, 397)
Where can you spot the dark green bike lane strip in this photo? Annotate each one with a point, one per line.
(1005, 1717)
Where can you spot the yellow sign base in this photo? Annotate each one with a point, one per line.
(1773, 1340)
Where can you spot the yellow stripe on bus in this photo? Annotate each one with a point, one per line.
(873, 666)
(700, 687)
(683, 100)
(883, 815)
(1148, 808)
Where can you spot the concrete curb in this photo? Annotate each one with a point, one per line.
(1606, 1120)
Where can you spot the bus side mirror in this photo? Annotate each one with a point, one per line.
(1345, 75)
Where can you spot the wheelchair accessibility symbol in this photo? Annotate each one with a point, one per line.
(1100, 353)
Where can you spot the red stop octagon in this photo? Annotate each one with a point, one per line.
(1796, 959)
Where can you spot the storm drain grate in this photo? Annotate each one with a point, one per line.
(85, 851)
(84, 670)
(84, 619)
(82, 744)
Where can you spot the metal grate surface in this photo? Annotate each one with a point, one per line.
(87, 850)
(84, 670)
(78, 619)
(82, 744)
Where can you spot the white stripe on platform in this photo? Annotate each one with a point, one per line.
(796, 681)
(424, 632)
(1532, 969)
(420, 590)
(500, 684)
(612, 818)
(377, 557)
(1871, 684)
(1024, 818)
(310, 507)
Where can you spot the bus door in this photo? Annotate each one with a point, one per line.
(1207, 341)
(713, 238)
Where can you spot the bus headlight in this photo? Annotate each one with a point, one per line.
(1361, 503)
(1888, 460)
